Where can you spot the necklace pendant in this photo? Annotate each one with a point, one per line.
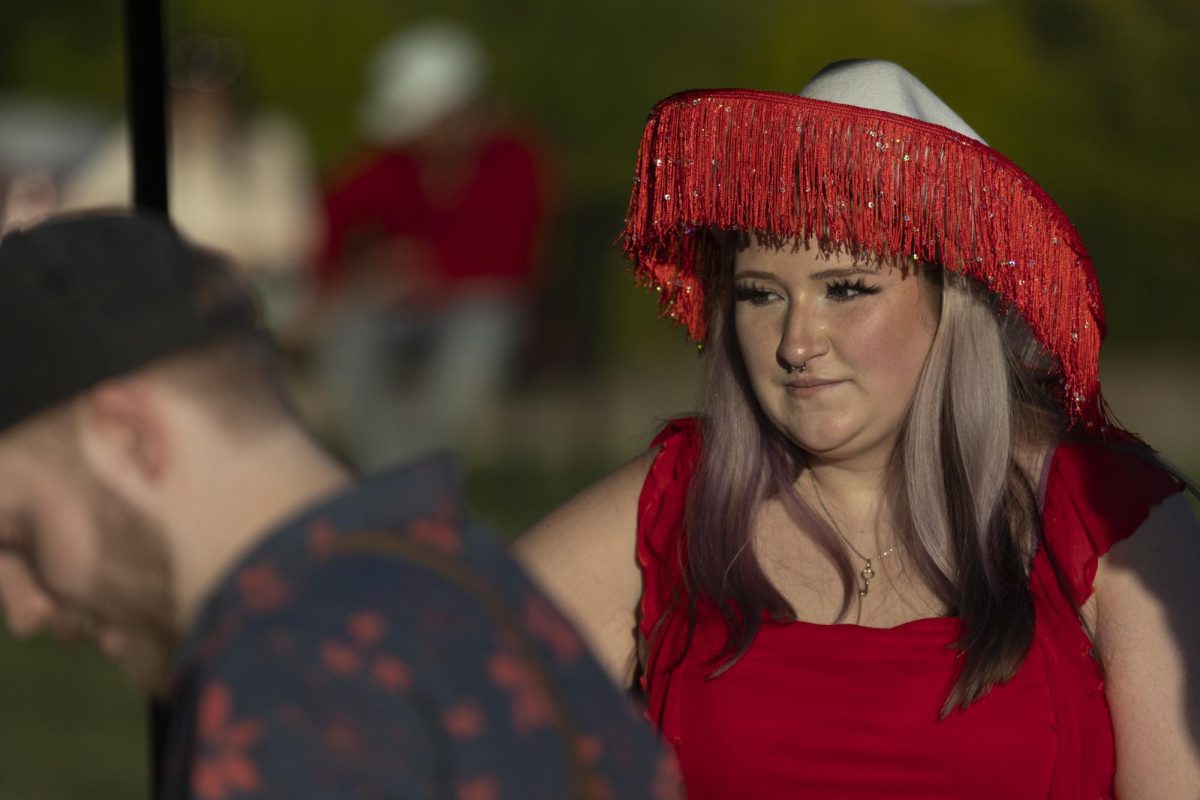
(867, 574)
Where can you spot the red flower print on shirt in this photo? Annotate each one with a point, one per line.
(530, 705)
(321, 537)
(391, 673)
(223, 764)
(590, 748)
(601, 789)
(544, 622)
(348, 657)
(463, 720)
(668, 783)
(485, 788)
(340, 658)
(438, 535)
(262, 589)
(366, 627)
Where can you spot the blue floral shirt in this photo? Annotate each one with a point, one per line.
(379, 646)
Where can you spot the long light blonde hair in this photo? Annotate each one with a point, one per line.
(960, 492)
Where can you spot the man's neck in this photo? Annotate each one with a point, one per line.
(235, 501)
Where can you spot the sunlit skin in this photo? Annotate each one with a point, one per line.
(863, 332)
(80, 564)
(121, 510)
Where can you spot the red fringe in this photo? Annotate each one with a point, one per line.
(869, 181)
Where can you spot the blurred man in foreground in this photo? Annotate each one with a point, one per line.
(312, 637)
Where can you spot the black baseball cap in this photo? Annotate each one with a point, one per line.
(88, 297)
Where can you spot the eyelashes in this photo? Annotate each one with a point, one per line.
(838, 291)
(751, 293)
(847, 290)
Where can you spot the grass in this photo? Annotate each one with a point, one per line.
(70, 727)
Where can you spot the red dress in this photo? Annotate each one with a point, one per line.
(846, 711)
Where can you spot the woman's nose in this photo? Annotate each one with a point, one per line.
(803, 337)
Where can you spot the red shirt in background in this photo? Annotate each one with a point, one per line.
(487, 230)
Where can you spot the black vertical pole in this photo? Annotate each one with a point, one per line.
(145, 104)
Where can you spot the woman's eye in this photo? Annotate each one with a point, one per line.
(848, 290)
(754, 295)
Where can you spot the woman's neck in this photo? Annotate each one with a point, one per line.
(855, 498)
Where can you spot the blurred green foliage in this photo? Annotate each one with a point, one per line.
(70, 726)
(1098, 99)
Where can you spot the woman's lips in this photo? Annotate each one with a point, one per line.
(809, 387)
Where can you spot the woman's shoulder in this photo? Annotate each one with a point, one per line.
(597, 552)
(615, 507)
(586, 554)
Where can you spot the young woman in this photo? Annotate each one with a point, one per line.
(904, 552)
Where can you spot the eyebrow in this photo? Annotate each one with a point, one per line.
(823, 275)
(756, 273)
(842, 272)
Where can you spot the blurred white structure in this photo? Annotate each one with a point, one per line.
(240, 181)
(40, 140)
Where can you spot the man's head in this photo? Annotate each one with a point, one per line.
(76, 558)
(424, 83)
(128, 357)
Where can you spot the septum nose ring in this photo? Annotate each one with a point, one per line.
(802, 368)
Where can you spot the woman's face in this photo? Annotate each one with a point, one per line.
(861, 331)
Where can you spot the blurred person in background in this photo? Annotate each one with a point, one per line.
(241, 179)
(311, 636)
(432, 234)
(906, 551)
(42, 140)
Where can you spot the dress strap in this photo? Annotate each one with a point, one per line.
(661, 508)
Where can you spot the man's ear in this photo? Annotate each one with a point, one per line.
(125, 433)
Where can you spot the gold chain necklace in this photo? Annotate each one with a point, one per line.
(868, 571)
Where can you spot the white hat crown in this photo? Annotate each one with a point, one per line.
(884, 86)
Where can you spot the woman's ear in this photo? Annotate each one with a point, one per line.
(125, 433)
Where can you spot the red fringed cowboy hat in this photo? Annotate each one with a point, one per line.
(869, 159)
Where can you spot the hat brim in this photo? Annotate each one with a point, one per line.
(866, 180)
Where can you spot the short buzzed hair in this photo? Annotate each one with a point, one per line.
(238, 379)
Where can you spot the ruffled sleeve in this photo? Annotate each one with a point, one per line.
(660, 517)
(1095, 497)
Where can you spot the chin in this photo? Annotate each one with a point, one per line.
(839, 445)
(818, 439)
